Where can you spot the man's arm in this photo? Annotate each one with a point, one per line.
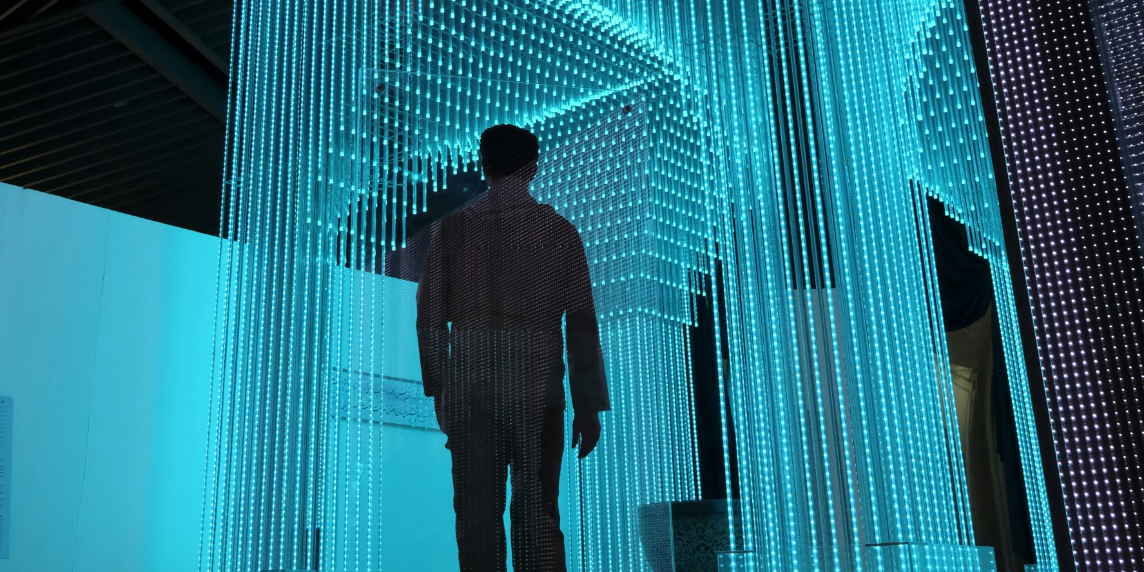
(587, 381)
(432, 314)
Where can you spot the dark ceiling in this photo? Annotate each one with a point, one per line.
(119, 104)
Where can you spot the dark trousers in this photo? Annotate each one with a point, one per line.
(484, 446)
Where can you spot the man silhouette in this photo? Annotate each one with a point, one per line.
(500, 278)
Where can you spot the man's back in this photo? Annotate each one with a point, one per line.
(512, 264)
(506, 268)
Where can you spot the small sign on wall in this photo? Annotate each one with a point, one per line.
(5, 473)
(385, 399)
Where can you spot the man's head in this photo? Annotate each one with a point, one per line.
(508, 150)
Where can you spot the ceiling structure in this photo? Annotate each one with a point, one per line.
(119, 104)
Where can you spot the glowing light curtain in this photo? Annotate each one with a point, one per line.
(641, 220)
(851, 113)
(619, 160)
(792, 143)
(1074, 197)
(294, 225)
(830, 122)
(1119, 26)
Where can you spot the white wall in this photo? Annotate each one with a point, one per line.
(106, 326)
(106, 329)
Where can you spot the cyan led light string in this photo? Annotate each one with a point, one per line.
(253, 489)
(624, 242)
(838, 338)
(646, 469)
(224, 317)
(261, 490)
(829, 402)
(923, 473)
(793, 521)
(823, 87)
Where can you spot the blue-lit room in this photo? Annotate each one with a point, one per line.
(571, 285)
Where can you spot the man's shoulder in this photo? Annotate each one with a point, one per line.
(563, 224)
(542, 217)
(563, 230)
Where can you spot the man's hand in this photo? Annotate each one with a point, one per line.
(439, 409)
(586, 427)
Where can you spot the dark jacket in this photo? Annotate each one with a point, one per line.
(499, 278)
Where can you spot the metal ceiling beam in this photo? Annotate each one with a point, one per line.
(46, 22)
(182, 30)
(161, 55)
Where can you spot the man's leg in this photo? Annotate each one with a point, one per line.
(480, 465)
(537, 543)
